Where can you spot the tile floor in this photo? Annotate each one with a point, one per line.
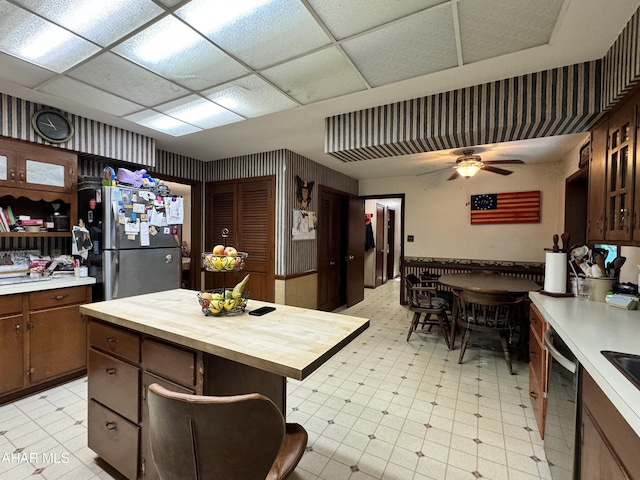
(381, 408)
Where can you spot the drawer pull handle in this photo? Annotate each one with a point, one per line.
(113, 340)
(111, 371)
(60, 297)
(533, 394)
(111, 425)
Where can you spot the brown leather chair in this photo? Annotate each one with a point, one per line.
(241, 437)
(423, 300)
(488, 311)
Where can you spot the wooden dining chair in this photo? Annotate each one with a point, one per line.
(423, 300)
(488, 311)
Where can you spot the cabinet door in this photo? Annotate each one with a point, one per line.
(12, 368)
(597, 461)
(8, 168)
(597, 183)
(58, 342)
(46, 172)
(330, 238)
(620, 173)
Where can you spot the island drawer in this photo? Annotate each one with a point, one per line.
(113, 438)
(171, 362)
(117, 341)
(538, 324)
(57, 298)
(10, 304)
(114, 383)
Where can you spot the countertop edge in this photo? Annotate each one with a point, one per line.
(38, 286)
(585, 326)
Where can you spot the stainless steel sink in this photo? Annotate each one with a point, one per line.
(627, 363)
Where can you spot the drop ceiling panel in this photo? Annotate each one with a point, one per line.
(259, 33)
(344, 19)
(421, 44)
(172, 49)
(127, 80)
(250, 97)
(199, 112)
(22, 73)
(78, 92)
(318, 76)
(101, 21)
(489, 28)
(33, 39)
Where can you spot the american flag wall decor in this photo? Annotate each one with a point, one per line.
(511, 207)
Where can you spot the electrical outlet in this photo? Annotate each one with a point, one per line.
(409, 238)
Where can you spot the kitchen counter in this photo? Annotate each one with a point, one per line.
(587, 327)
(39, 285)
(289, 342)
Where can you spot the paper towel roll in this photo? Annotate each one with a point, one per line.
(555, 272)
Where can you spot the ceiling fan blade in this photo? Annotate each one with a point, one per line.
(433, 171)
(454, 176)
(500, 171)
(504, 162)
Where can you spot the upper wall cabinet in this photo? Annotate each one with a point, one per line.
(614, 200)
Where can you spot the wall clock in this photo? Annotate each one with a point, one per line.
(52, 126)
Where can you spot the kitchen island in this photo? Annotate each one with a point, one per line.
(165, 338)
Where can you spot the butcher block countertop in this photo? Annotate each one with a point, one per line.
(290, 341)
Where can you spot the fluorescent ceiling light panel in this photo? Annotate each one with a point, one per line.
(40, 42)
(265, 35)
(199, 111)
(101, 21)
(162, 123)
(250, 97)
(176, 51)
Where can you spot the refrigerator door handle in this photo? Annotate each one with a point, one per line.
(116, 277)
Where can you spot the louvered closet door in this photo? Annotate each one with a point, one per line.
(247, 209)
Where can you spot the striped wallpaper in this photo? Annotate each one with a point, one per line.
(554, 102)
(90, 137)
(621, 64)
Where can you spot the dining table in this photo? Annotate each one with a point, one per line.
(497, 282)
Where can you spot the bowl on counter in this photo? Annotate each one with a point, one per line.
(220, 302)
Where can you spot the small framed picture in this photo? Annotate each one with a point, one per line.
(585, 155)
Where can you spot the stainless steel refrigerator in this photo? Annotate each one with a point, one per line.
(139, 253)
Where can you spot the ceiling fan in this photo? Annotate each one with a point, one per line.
(469, 164)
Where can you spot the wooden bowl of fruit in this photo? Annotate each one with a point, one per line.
(224, 259)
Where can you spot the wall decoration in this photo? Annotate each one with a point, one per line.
(304, 225)
(303, 193)
(511, 207)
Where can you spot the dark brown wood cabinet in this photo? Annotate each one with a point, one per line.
(538, 367)
(608, 445)
(122, 365)
(42, 339)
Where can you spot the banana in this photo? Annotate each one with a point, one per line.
(237, 290)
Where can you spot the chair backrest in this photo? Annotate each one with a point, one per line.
(421, 294)
(202, 437)
(488, 308)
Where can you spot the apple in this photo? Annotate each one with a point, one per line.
(218, 250)
(230, 252)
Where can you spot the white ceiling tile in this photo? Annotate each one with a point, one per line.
(162, 123)
(199, 112)
(344, 19)
(257, 32)
(21, 72)
(489, 28)
(250, 97)
(78, 92)
(33, 39)
(116, 75)
(421, 44)
(172, 49)
(102, 21)
(321, 75)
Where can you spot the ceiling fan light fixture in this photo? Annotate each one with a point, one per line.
(468, 168)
